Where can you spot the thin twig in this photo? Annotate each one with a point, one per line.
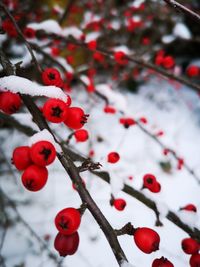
(188, 12)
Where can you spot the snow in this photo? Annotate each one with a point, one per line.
(162, 209)
(126, 264)
(44, 135)
(92, 36)
(52, 26)
(22, 85)
(181, 30)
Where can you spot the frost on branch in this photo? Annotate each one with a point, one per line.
(21, 85)
(126, 264)
(44, 135)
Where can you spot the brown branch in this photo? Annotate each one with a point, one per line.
(2, 6)
(177, 6)
(73, 172)
(127, 229)
(67, 11)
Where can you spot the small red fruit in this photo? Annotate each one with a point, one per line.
(195, 260)
(9, 102)
(109, 109)
(51, 76)
(120, 58)
(66, 244)
(67, 221)
(190, 246)
(189, 207)
(127, 122)
(21, 157)
(146, 239)
(43, 153)
(55, 110)
(34, 178)
(76, 118)
(81, 135)
(113, 157)
(92, 45)
(192, 71)
(162, 262)
(168, 62)
(29, 33)
(119, 204)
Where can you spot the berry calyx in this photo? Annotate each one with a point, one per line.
(43, 153)
(21, 157)
(67, 221)
(162, 262)
(81, 135)
(34, 178)
(9, 102)
(55, 110)
(119, 204)
(66, 244)
(76, 118)
(190, 246)
(146, 239)
(113, 157)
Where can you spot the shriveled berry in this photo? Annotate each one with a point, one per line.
(146, 239)
(162, 262)
(34, 178)
(190, 246)
(43, 153)
(9, 102)
(66, 244)
(67, 221)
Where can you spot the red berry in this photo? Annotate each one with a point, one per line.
(143, 120)
(99, 57)
(190, 246)
(76, 118)
(43, 153)
(127, 122)
(168, 62)
(9, 102)
(192, 71)
(34, 177)
(66, 244)
(51, 76)
(119, 204)
(146, 239)
(155, 188)
(29, 33)
(109, 109)
(21, 157)
(113, 157)
(162, 262)
(92, 45)
(120, 58)
(81, 135)
(9, 28)
(195, 260)
(149, 181)
(55, 110)
(67, 221)
(189, 207)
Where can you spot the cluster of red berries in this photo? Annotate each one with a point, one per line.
(191, 247)
(67, 222)
(163, 60)
(9, 102)
(57, 111)
(33, 161)
(150, 182)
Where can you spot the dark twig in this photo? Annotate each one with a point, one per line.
(127, 229)
(177, 6)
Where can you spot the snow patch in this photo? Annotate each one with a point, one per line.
(180, 30)
(22, 85)
(44, 135)
(126, 264)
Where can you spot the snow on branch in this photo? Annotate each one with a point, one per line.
(22, 85)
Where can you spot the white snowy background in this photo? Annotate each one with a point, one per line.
(174, 112)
